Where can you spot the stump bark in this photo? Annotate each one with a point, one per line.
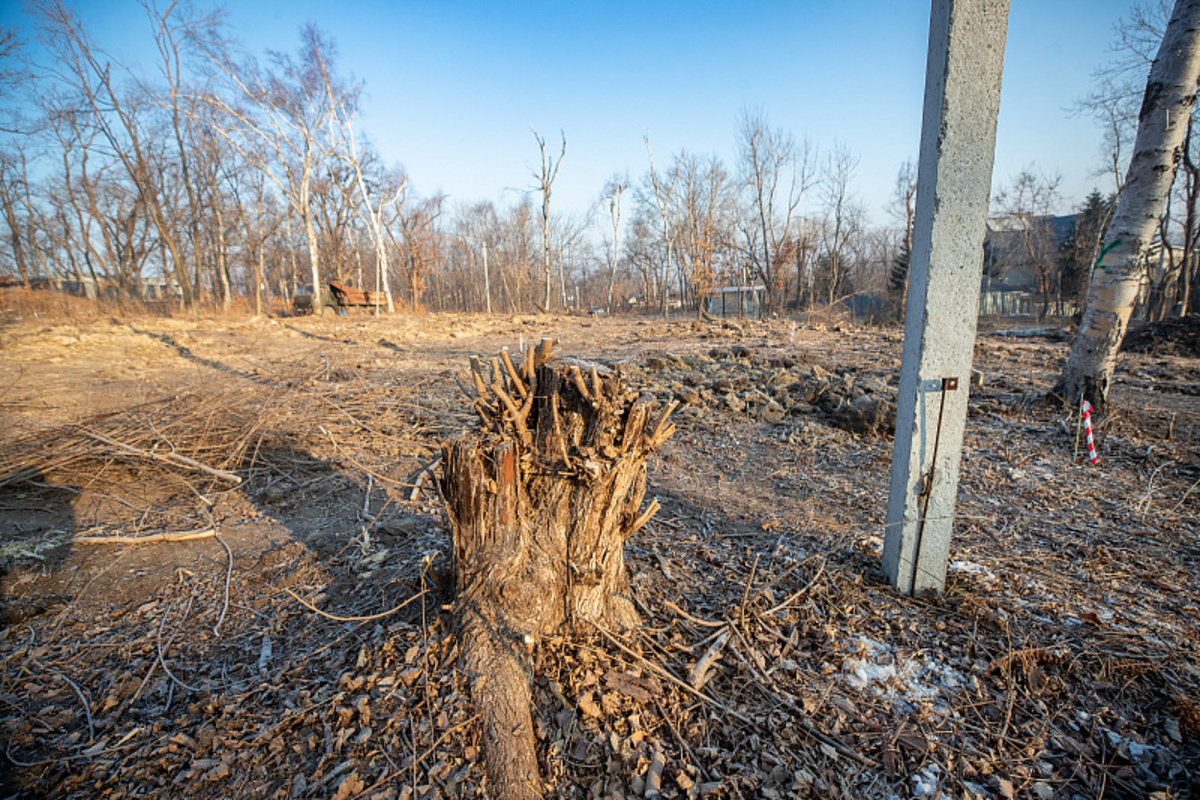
(540, 501)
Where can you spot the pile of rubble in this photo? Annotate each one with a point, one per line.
(771, 388)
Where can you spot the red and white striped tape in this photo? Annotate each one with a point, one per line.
(1086, 410)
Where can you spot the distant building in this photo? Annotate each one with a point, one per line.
(736, 301)
(93, 288)
(160, 289)
(1001, 298)
(1011, 249)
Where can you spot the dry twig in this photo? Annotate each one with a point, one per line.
(186, 536)
(380, 615)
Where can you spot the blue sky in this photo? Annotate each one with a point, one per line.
(452, 87)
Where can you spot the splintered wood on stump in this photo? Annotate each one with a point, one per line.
(540, 500)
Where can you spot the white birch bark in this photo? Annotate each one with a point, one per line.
(545, 183)
(1158, 150)
(341, 125)
(614, 211)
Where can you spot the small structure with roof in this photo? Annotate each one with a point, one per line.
(736, 301)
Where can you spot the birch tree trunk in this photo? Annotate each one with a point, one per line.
(617, 188)
(540, 501)
(222, 265)
(545, 183)
(487, 281)
(1158, 150)
(347, 151)
(258, 279)
(663, 199)
(314, 246)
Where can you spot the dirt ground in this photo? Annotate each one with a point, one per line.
(288, 634)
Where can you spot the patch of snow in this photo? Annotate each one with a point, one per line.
(971, 568)
(925, 782)
(876, 668)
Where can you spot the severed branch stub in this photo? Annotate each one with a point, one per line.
(540, 500)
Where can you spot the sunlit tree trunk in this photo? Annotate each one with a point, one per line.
(612, 194)
(1158, 150)
(10, 192)
(222, 263)
(549, 172)
(663, 196)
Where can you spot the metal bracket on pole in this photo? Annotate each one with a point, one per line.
(938, 385)
(942, 385)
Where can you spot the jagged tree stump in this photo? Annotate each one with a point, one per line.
(540, 500)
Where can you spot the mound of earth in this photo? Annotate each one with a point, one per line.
(1170, 337)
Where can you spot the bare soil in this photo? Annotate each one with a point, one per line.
(302, 647)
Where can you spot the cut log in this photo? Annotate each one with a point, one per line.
(540, 501)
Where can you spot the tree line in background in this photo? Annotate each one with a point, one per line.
(210, 176)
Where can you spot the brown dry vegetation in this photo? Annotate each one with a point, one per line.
(302, 647)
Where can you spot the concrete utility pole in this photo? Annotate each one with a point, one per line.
(954, 179)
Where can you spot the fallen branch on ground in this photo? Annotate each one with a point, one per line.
(169, 458)
(186, 536)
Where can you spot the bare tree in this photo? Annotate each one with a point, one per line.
(335, 214)
(487, 275)
(14, 190)
(81, 228)
(87, 73)
(282, 120)
(15, 78)
(419, 244)
(613, 192)
(1162, 125)
(903, 209)
(213, 179)
(1115, 103)
(259, 221)
(512, 261)
(478, 246)
(663, 196)
(173, 28)
(704, 213)
(644, 252)
(371, 206)
(1026, 208)
(545, 177)
(1191, 227)
(567, 237)
(843, 218)
(775, 174)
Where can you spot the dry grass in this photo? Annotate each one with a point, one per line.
(774, 660)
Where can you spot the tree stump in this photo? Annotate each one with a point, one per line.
(540, 501)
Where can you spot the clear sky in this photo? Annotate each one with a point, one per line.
(453, 86)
